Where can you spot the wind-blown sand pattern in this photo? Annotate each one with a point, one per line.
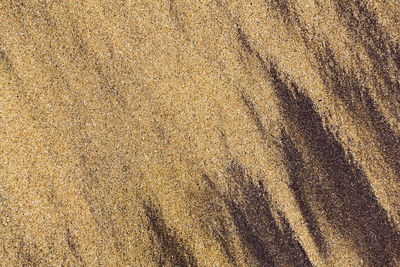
(199, 133)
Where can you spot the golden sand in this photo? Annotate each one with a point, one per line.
(199, 133)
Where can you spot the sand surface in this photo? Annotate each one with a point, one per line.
(199, 133)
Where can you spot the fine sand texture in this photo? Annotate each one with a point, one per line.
(200, 133)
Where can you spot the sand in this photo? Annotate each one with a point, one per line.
(199, 133)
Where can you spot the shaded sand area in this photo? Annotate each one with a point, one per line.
(199, 133)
